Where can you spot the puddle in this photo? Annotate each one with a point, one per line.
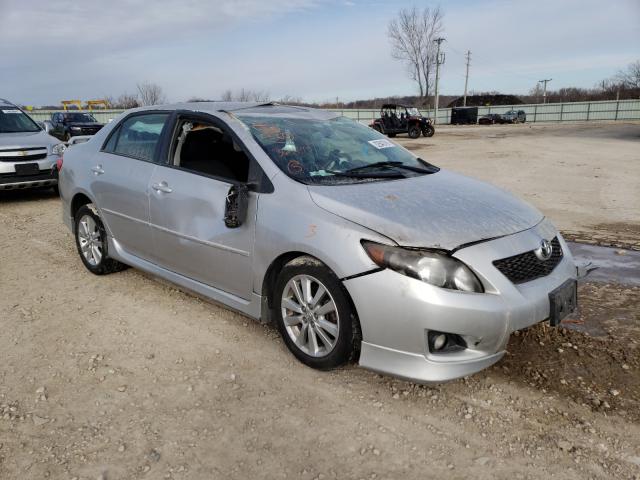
(612, 267)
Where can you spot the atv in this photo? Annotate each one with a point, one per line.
(395, 119)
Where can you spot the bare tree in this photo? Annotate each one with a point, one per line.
(246, 95)
(124, 101)
(411, 35)
(630, 78)
(150, 93)
(227, 96)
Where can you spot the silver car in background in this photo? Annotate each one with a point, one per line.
(28, 154)
(353, 246)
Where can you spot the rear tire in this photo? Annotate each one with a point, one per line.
(391, 135)
(313, 314)
(92, 244)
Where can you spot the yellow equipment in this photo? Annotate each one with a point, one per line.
(97, 103)
(69, 103)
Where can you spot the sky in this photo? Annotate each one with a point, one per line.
(317, 50)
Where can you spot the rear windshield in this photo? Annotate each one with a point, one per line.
(332, 151)
(13, 120)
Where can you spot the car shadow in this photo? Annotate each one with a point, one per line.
(27, 195)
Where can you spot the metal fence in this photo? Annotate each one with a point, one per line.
(549, 112)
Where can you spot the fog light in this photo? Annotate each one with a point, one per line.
(439, 341)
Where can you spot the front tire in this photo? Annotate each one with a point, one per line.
(428, 131)
(91, 242)
(313, 314)
(414, 131)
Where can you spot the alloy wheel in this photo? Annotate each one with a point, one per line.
(310, 315)
(90, 240)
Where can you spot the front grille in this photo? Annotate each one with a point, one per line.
(525, 267)
(27, 158)
(13, 178)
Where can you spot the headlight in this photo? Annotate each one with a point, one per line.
(76, 129)
(58, 149)
(431, 267)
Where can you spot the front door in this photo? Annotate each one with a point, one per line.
(120, 174)
(187, 206)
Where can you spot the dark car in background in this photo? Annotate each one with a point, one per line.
(395, 119)
(65, 125)
(515, 116)
(491, 118)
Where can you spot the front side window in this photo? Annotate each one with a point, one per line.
(138, 136)
(204, 148)
(14, 120)
(338, 150)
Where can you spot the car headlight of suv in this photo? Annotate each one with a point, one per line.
(58, 149)
(76, 129)
(429, 266)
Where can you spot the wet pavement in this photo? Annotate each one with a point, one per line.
(613, 264)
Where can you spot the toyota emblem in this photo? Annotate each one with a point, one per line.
(544, 251)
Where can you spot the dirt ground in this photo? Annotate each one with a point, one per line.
(125, 377)
(584, 176)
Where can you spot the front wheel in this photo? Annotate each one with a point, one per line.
(91, 241)
(414, 131)
(428, 131)
(313, 314)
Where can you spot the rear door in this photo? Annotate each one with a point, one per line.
(121, 172)
(187, 206)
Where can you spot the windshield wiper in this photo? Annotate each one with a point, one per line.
(388, 164)
(356, 174)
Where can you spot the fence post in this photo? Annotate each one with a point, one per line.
(561, 110)
(617, 108)
(535, 113)
(588, 110)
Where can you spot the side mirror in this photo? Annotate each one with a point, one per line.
(236, 205)
(46, 126)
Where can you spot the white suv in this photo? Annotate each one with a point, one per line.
(28, 155)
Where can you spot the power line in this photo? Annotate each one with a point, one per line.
(544, 90)
(466, 79)
(439, 61)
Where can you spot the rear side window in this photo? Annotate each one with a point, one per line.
(138, 136)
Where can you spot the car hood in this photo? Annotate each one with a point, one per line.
(27, 139)
(443, 210)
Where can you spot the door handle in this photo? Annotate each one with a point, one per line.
(98, 170)
(162, 187)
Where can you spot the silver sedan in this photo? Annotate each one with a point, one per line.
(353, 246)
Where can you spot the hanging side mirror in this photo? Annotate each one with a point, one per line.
(236, 205)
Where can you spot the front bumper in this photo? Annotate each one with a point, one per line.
(397, 312)
(10, 180)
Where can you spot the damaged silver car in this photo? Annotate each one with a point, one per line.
(353, 246)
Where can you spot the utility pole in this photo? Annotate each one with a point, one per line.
(544, 90)
(466, 79)
(439, 61)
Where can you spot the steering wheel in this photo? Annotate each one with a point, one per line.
(336, 159)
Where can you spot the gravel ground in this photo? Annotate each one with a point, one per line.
(126, 377)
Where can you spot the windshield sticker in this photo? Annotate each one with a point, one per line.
(381, 143)
(11, 111)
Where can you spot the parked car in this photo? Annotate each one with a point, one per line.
(28, 154)
(515, 116)
(491, 118)
(464, 115)
(65, 125)
(395, 119)
(352, 245)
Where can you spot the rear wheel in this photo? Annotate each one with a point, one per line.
(391, 135)
(313, 314)
(91, 241)
(428, 131)
(414, 131)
